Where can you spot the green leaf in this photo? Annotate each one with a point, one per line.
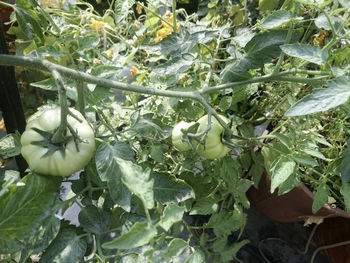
(93, 219)
(156, 153)
(292, 181)
(7, 178)
(175, 248)
(322, 22)
(205, 206)
(321, 197)
(170, 190)
(10, 145)
(314, 153)
(140, 234)
(304, 159)
(66, 247)
(242, 93)
(281, 170)
(272, 153)
(121, 9)
(259, 50)
(345, 167)
(306, 52)
(225, 222)
(10, 246)
(108, 158)
(337, 93)
(276, 19)
(172, 214)
(143, 126)
(285, 140)
(44, 234)
(175, 65)
(196, 257)
(28, 24)
(345, 191)
(138, 181)
(24, 206)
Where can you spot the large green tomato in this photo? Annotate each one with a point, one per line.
(177, 136)
(213, 147)
(44, 157)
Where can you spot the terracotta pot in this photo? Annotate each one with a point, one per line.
(294, 206)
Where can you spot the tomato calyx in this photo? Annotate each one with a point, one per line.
(53, 147)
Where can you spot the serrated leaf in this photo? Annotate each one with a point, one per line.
(322, 22)
(292, 181)
(285, 140)
(108, 157)
(138, 181)
(314, 153)
(175, 65)
(281, 170)
(225, 222)
(175, 248)
(172, 214)
(93, 219)
(196, 257)
(66, 247)
(205, 206)
(156, 152)
(24, 206)
(337, 93)
(10, 145)
(306, 52)
(321, 197)
(28, 24)
(304, 159)
(140, 234)
(345, 191)
(345, 167)
(170, 190)
(259, 50)
(276, 19)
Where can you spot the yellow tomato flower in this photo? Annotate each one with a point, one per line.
(134, 71)
(2, 125)
(165, 28)
(97, 25)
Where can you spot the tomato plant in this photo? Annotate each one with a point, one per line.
(152, 84)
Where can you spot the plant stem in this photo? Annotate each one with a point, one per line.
(174, 16)
(288, 38)
(81, 101)
(62, 97)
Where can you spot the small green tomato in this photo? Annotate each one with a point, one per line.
(213, 147)
(177, 136)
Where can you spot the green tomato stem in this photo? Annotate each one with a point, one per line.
(174, 16)
(62, 96)
(81, 101)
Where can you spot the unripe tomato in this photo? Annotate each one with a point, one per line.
(213, 147)
(62, 159)
(177, 136)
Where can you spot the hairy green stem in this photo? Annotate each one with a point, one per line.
(174, 16)
(81, 101)
(62, 97)
(288, 38)
(40, 64)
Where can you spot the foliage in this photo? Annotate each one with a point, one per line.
(283, 70)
